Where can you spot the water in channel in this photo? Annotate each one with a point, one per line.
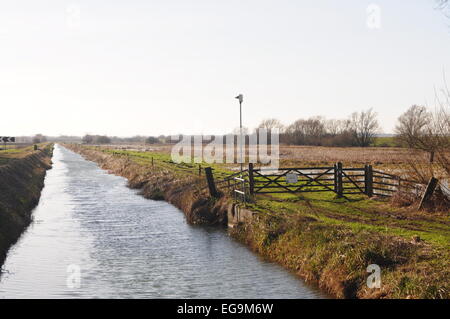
(92, 237)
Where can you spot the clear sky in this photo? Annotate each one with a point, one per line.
(174, 66)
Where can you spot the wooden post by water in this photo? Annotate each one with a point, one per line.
(251, 179)
(211, 185)
(368, 180)
(432, 184)
(339, 185)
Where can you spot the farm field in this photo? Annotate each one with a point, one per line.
(349, 155)
(13, 153)
(314, 154)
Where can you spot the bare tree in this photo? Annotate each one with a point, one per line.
(270, 124)
(364, 125)
(97, 139)
(306, 132)
(314, 130)
(335, 127)
(291, 133)
(441, 125)
(39, 138)
(102, 139)
(88, 139)
(151, 140)
(412, 125)
(423, 130)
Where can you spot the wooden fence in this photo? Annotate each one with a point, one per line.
(338, 179)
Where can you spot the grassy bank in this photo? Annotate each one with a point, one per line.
(332, 241)
(22, 173)
(325, 240)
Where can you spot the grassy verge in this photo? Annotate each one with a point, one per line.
(22, 173)
(332, 241)
(16, 153)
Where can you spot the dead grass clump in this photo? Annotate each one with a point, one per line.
(404, 199)
(438, 202)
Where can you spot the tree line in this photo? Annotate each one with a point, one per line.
(417, 128)
(104, 139)
(359, 129)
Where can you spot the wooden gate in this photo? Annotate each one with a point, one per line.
(338, 179)
(292, 180)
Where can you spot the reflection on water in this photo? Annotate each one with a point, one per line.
(128, 246)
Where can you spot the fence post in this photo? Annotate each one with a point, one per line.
(368, 180)
(335, 178)
(199, 170)
(340, 188)
(251, 180)
(428, 191)
(152, 161)
(210, 179)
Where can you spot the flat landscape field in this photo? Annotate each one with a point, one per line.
(360, 155)
(11, 153)
(289, 154)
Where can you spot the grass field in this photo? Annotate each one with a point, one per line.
(311, 155)
(13, 153)
(385, 142)
(348, 155)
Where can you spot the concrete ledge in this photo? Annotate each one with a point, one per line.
(237, 214)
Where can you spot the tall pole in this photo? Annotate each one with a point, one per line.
(240, 127)
(241, 99)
